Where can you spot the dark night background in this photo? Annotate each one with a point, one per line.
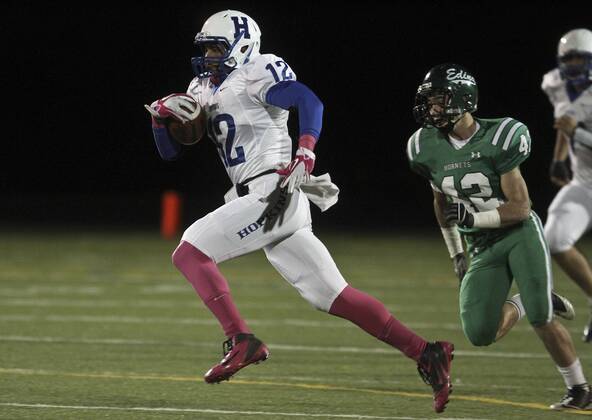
(77, 144)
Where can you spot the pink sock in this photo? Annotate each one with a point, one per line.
(372, 316)
(210, 285)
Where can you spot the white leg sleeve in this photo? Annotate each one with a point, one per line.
(305, 263)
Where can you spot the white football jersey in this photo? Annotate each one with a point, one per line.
(251, 135)
(580, 109)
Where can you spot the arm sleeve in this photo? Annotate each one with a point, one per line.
(292, 94)
(515, 148)
(168, 148)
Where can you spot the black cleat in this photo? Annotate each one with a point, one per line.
(434, 369)
(562, 307)
(577, 397)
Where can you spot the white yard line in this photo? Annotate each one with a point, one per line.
(50, 290)
(328, 323)
(296, 380)
(211, 411)
(25, 301)
(197, 321)
(272, 346)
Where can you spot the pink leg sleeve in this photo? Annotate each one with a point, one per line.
(372, 316)
(211, 286)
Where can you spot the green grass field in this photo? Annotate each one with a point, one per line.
(101, 325)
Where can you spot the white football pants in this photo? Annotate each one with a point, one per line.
(295, 252)
(569, 217)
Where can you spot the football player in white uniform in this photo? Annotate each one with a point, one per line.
(246, 96)
(569, 88)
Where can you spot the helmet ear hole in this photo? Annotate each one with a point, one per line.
(244, 49)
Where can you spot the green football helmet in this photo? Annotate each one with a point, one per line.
(446, 93)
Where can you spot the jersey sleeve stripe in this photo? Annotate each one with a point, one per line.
(409, 149)
(510, 135)
(414, 139)
(498, 133)
(417, 141)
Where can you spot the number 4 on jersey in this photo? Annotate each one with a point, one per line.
(524, 146)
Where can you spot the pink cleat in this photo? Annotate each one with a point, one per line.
(240, 351)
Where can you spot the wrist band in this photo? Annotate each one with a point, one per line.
(453, 241)
(487, 219)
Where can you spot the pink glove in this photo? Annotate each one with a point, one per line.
(179, 106)
(298, 171)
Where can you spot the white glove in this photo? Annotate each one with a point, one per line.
(298, 171)
(177, 105)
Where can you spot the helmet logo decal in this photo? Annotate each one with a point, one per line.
(460, 76)
(241, 27)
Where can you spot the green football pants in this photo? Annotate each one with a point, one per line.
(522, 255)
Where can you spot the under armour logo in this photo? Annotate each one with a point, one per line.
(475, 155)
(241, 27)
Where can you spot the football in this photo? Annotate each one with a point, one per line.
(190, 132)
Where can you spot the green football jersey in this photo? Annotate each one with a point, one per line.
(471, 174)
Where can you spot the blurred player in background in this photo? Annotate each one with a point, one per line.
(472, 165)
(246, 96)
(569, 88)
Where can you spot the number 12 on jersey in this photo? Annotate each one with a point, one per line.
(286, 71)
(225, 146)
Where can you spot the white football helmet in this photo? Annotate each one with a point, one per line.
(232, 32)
(577, 43)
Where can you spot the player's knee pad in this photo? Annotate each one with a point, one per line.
(479, 333)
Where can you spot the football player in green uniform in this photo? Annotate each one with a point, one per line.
(472, 165)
